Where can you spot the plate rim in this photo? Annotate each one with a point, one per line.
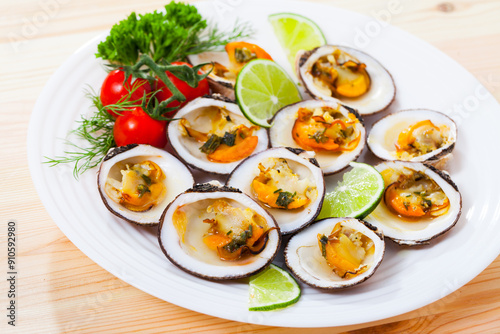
(35, 167)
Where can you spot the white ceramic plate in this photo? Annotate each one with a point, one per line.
(407, 279)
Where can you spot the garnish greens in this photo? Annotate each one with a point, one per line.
(165, 37)
(323, 240)
(142, 189)
(285, 198)
(240, 240)
(97, 131)
(146, 179)
(211, 144)
(215, 141)
(151, 40)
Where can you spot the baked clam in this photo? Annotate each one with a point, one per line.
(286, 181)
(419, 204)
(335, 253)
(348, 76)
(225, 66)
(211, 134)
(334, 132)
(417, 135)
(218, 233)
(137, 182)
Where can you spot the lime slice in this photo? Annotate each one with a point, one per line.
(296, 32)
(263, 88)
(357, 195)
(272, 289)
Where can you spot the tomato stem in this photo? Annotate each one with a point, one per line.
(183, 72)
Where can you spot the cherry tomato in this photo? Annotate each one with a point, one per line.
(113, 89)
(135, 126)
(189, 92)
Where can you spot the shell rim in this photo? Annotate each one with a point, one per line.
(370, 227)
(437, 157)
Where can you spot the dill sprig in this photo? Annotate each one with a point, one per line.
(97, 131)
(213, 39)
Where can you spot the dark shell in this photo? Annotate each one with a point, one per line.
(223, 88)
(211, 188)
(299, 151)
(219, 97)
(118, 150)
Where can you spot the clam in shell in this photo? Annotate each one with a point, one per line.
(137, 182)
(286, 181)
(218, 233)
(420, 203)
(335, 253)
(347, 76)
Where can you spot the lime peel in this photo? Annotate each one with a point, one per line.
(295, 33)
(357, 195)
(262, 88)
(272, 289)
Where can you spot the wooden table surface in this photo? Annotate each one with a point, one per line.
(62, 290)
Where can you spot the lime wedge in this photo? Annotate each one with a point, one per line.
(357, 195)
(272, 289)
(263, 88)
(296, 32)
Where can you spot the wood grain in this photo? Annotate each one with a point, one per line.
(63, 291)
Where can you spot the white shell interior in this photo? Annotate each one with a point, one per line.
(288, 220)
(411, 232)
(213, 56)
(384, 134)
(193, 255)
(379, 96)
(175, 184)
(303, 255)
(280, 135)
(189, 149)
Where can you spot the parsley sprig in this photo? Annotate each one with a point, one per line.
(166, 37)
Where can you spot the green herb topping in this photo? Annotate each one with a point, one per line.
(243, 55)
(285, 198)
(215, 141)
(170, 36)
(146, 179)
(323, 240)
(211, 144)
(142, 189)
(240, 240)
